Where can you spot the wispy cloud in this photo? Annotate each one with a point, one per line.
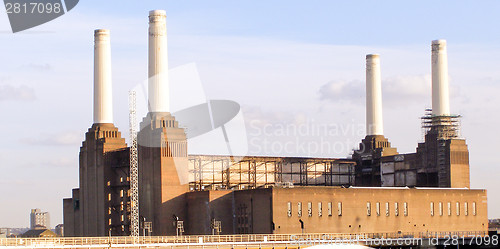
(55, 139)
(16, 93)
(37, 67)
(400, 89)
(341, 90)
(61, 162)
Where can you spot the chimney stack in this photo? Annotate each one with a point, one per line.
(440, 85)
(103, 98)
(374, 123)
(158, 85)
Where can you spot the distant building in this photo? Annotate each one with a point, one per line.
(38, 233)
(4, 232)
(39, 218)
(60, 230)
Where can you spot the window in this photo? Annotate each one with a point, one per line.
(387, 212)
(109, 221)
(109, 210)
(458, 208)
(109, 197)
(340, 208)
(121, 193)
(330, 212)
(122, 218)
(396, 209)
(378, 208)
(299, 209)
(289, 208)
(440, 209)
(310, 209)
(449, 208)
(466, 209)
(320, 209)
(474, 208)
(405, 209)
(432, 208)
(109, 183)
(368, 209)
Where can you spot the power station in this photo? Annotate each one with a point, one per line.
(378, 190)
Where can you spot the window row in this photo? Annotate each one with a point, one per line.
(310, 209)
(387, 209)
(122, 194)
(457, 208)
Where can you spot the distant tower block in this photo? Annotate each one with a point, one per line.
(440, 84)
(103, 100)
(374, 123)
(158, 62)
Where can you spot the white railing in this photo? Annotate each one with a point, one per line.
(260, 240)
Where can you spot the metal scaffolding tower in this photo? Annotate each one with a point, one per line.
(134, 176)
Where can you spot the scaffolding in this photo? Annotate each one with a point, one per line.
(225, 172)
(446, 126)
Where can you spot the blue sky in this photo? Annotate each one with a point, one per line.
(285, 62)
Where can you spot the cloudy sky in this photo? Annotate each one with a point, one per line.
(296, 67)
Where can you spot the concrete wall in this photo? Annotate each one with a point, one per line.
(68, 217)
(459, 163)
(354, 218)
(253, 211)
(203, 206)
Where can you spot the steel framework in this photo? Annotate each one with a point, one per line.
(134, 177)
(225, 172)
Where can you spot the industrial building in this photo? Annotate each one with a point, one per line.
(378, 190)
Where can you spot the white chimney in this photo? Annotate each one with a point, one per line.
(158, 91)
(374, 123)
(103, 98)
(440, 85)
